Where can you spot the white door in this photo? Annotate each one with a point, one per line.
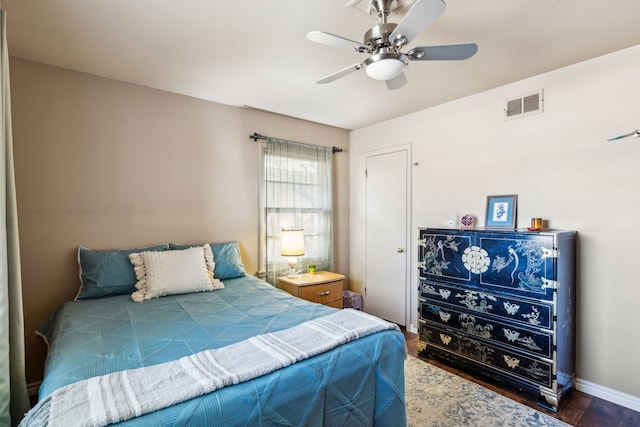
(386, 235)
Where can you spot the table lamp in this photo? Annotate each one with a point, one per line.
(292, 246)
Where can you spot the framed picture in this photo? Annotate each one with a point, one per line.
(501, 211)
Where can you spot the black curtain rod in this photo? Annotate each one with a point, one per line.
(256, 136)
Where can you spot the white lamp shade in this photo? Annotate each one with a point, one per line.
(385, 69)
(292, 242)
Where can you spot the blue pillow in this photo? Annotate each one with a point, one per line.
(108, 272)
(227, 258)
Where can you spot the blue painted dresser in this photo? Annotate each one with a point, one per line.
(501, 304)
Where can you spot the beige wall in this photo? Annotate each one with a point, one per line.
(106, 164)
(562, 170)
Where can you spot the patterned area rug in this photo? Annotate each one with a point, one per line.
(435, 397)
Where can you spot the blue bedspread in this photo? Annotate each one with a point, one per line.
(360, 383)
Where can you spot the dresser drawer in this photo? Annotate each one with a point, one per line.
(516, 309)
(323, 293)
(535, 341)
(510, 363)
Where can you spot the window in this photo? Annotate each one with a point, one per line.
(297, 193)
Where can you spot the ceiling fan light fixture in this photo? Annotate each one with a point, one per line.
(384, 67)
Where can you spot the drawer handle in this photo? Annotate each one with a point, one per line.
(324, 294)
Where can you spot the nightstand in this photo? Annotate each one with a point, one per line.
(322, 287)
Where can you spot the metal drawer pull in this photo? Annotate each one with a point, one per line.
(324, 294)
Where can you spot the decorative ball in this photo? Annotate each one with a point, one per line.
(467, 220)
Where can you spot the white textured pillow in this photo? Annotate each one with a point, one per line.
(173, 272)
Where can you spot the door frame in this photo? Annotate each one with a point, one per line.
(409, 250)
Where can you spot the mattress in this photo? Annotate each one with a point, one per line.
(358, 383)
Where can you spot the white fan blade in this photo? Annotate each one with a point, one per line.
(397, 82)
(336, 41)
(338, 74)
(420, 16)
(635, 133)
(449, 52)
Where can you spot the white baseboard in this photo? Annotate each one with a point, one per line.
(608, 394)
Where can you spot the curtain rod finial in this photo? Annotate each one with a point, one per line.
(256, 136)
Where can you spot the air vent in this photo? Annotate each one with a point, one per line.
(364, 7)
(525, 105)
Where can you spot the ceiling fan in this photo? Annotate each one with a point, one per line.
(635, 134)
(385, 40)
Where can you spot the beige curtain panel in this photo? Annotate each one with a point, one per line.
(14, 401)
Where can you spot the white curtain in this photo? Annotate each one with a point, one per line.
(298, 190)
(14, 401)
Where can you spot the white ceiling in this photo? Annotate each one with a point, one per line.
(255, 52)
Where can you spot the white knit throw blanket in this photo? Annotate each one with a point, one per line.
(119, 396)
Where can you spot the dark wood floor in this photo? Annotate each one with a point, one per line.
(577, 408)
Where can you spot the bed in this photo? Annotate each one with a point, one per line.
(358, 383)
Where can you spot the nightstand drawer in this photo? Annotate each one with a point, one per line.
(336, 304)
(322, 287)
(323, 293)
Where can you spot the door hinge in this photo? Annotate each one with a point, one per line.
(366, 173)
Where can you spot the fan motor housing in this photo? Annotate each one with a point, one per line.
(378, 35)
